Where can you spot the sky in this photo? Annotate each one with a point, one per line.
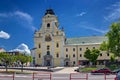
(20, 18)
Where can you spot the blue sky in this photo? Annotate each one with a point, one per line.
(19, 19)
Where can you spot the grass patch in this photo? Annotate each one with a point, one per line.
(87, 69)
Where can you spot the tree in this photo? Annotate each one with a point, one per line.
(114, 38)
(113, 42)
(7, 59)
(23, 59)
(92, 55)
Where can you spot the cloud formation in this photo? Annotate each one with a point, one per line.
(96, 29)
(4, 35)
(24, 18)
(114, 12)
(81, 14)
(23, 48)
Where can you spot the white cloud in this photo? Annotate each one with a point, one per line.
(96, 29)
(23, 48)
(114, 12)
(4, 35)
(23, 18)
(81, 14)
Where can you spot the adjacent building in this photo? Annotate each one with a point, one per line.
(54, 49)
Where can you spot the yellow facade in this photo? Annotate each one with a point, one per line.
(54, 49)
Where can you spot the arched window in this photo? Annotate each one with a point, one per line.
(57, 55)
(48, 47)
(48, 25)
(73, 55)
(39, 55)
(39, 46)
(66, 55)
(57, 45)
(48, 52)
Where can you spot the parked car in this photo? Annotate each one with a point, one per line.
(118, 76)
(103, 70)
(77, 70)
(116, 71)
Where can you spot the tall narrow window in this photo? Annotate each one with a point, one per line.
(73, 49)
(80, 55)
(66, 49)
(66, 55)
(107, 54)
(39, 46)
(80, 49)
(57, 45)
(73, 62)
(39, 55)
(57, 55)
(48, 25)
(48, 47)
(48, 52)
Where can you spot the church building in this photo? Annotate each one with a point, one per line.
(53, 48)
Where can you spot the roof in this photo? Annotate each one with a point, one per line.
(86, 40)
(49, 11)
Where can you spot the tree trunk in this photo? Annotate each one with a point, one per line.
(6, 66)
(22, 67)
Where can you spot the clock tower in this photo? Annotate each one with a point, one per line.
(49, 41)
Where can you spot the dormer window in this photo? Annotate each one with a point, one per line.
(48, 25)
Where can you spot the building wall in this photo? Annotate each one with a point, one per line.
(50, 35)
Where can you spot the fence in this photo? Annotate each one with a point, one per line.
(41, 76)
(78, 76)
(7, 77)
(57, 76)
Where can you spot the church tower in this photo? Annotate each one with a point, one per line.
(49, 41)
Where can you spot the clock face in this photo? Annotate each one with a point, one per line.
(48, 37)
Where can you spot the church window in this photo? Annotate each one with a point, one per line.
(39, 55)
(57, 45)
(66, 55)
(73, 49)
(80, 55)
(73, 55)
(80, 49)
(66, 49)
(48, 52)
(73, 62)
(48, 25)
(48, 47)
(107, 54)
(57, 55)
(39, 46)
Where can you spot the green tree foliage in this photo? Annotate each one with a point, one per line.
(23, 59)
(113, 43)
(7, 59)
(112, 58)
(104, 46)
(114, 38)
(92, 55)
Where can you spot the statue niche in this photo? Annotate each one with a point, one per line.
(48, 37)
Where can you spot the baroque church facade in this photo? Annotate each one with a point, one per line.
(54, 49)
